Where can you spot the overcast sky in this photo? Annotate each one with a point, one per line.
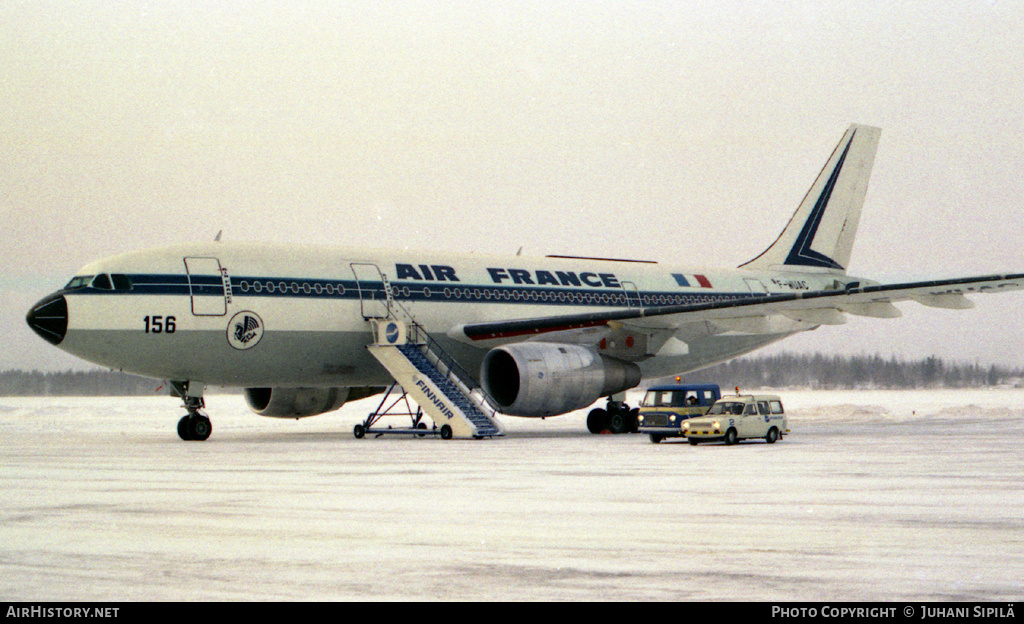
(681, 132)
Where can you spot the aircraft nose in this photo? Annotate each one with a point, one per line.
(49, 318)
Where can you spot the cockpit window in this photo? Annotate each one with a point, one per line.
(79, 281)
(103, 281)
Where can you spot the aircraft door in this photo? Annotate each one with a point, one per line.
(755, 286)
(374, 290)
(632, 295)
(206, 287)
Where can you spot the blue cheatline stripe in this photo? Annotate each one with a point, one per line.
(286, 287)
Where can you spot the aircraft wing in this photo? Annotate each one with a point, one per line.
(811, 307)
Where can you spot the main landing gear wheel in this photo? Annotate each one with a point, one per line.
(616, 417)
(618, 421)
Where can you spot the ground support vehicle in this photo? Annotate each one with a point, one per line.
(740, 417)
(666, 407)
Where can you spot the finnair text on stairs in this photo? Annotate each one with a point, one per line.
(434, 399)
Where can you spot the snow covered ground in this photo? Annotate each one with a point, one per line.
(875, 496)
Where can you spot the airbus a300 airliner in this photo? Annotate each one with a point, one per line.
(304, 329)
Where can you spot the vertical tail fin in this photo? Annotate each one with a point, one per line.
(819, 236)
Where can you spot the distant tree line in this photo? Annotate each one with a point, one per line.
(75, 383)
(786, 370)
(826, 372)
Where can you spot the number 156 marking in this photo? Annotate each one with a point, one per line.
(160, 324)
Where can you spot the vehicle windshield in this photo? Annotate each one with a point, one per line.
(658, 398)
(727, 407)
(675, 398)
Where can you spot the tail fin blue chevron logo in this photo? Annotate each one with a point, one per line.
(801, 253)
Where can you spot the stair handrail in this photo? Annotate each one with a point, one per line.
(454, 371)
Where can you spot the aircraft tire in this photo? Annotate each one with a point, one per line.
(618, 422)
(597, 420)
(183, 429)
(446, 432)
(772, 436)
(199, 428)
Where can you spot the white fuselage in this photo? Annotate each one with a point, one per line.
(183, 316)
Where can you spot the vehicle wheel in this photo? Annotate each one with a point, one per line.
(597, 420)
(199, 428)
(692, 441)
(618, 422)
(421, 426)
(446, 432)
(359, 431)
(183, 428)
(772, 436)
(655, 438)
(633, 420)
(730, 437)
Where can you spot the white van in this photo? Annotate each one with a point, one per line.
(736, 418)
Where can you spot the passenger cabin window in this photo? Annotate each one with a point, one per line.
(751, 410)
(762, 408)
(776, 407)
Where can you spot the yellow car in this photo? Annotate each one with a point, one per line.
(738, 418)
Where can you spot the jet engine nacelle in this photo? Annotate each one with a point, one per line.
(295, 402)
(545, 379)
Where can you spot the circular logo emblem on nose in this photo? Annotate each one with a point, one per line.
(245, 330)
(391, 333)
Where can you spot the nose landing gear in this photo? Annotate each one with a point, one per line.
(194, 426)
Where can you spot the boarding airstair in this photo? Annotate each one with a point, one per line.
(425, 373)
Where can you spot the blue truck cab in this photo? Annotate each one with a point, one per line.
(666, 407)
